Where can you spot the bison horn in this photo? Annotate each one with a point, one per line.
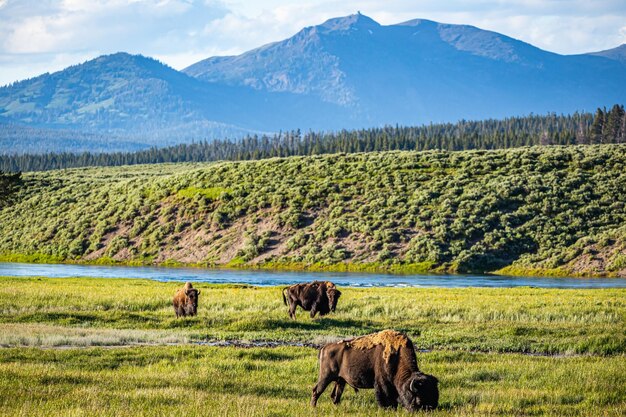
(415, 385)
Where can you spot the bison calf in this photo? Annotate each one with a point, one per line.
(384, 361)
(186, 301)
(316, 296)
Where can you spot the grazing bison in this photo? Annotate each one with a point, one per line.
(186, 301)
(316, 296)
(384, 361)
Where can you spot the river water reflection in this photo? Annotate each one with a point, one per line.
(266, 278)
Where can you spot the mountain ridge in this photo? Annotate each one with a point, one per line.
(618, 53)
(453, 58)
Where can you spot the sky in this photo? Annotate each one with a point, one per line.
(38, 36)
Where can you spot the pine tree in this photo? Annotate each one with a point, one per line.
(622, 137)
(581, 135)
(611, 131)
(597, 126)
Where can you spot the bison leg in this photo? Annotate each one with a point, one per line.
(340, 384)
(313, 310)
(292, 309)
(326, 376)
(385, 396)
(318, 389)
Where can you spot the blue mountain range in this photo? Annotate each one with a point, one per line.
(348, 72)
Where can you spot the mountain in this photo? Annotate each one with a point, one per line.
(104, 94)
(128, 97)
(617, 54)
(421, 71)
(348, 72)
(139, 102)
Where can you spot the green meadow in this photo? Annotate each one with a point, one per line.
(113, 347)
(69, 311)
(196, 380)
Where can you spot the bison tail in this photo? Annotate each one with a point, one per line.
(284, 297)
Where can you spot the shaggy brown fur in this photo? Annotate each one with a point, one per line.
(384, 361)
(316, 296)
(186, 301)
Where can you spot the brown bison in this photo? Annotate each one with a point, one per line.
(384, 361)
(317, 297)
(186, 301)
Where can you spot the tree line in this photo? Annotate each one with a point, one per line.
(606, 126)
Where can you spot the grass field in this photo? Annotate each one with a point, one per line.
(478, 342)
(190, 381)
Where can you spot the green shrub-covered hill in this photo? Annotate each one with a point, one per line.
(539, 210)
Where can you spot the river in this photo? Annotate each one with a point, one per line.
(268, 278)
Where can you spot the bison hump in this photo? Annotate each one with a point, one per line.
(391, 340)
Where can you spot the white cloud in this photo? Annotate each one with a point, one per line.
(42, 34)
(622, 34)
(563, 26)
(71, 25)
(15, 68)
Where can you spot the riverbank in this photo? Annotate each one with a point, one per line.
(263, 277)
(373, 267)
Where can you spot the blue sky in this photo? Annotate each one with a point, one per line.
(48, 35)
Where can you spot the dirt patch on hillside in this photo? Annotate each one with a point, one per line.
(191, 246)
(597, 260)
(120, 230)
(357, 246)
(212, 244)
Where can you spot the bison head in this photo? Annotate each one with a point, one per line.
(420, 392)
(333, 295)
(192, 300)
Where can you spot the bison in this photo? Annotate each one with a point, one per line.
(316, 296)
(384, 361)
(186, 301)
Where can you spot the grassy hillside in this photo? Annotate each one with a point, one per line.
(556, 210)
